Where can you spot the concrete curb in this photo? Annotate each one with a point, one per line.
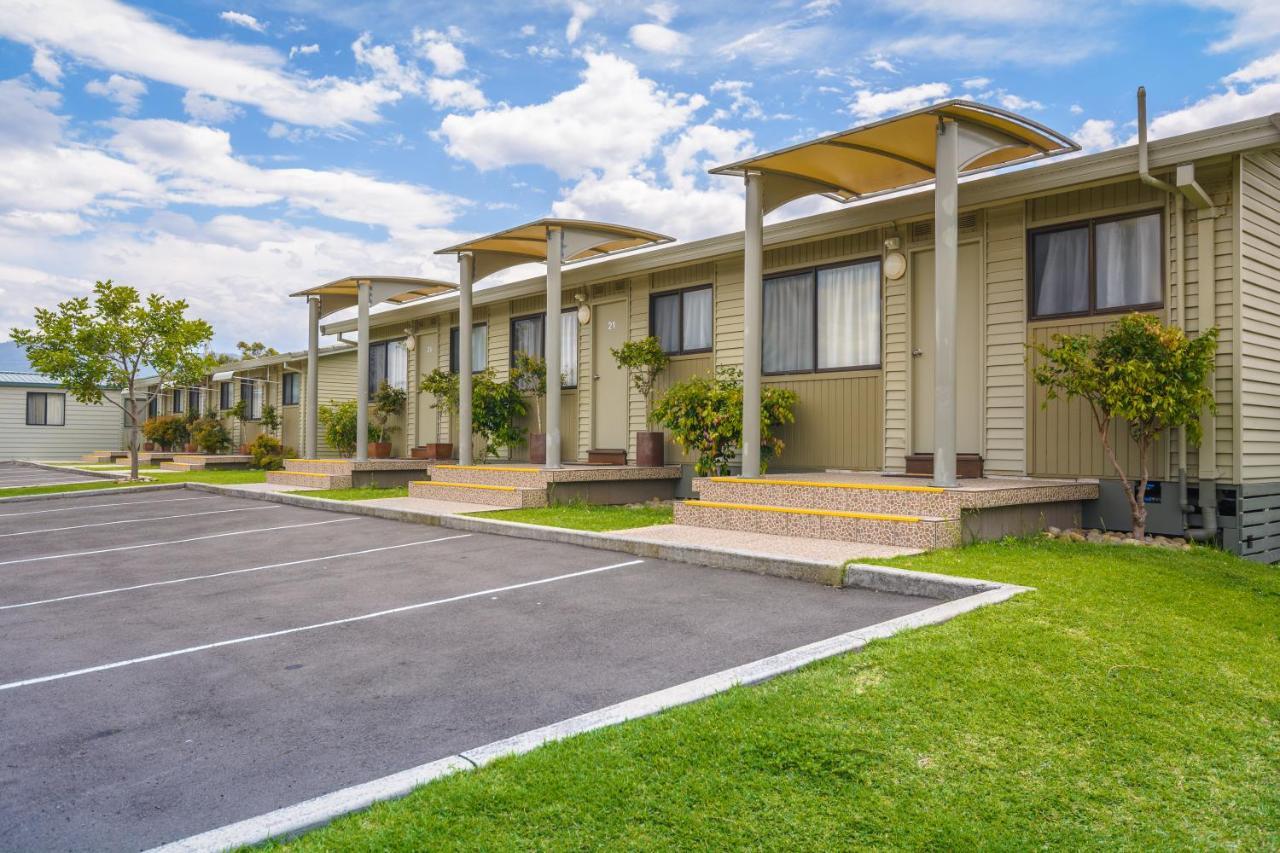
(319, 811)
(878, 578)
(84, 493)
(105, 475)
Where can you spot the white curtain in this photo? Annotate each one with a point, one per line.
(526, 334)
(569, 349)
(849, 316)
(666, 321)
(788, 323)
(1128, 261)
(479, 348)
(1061, 272)
(397, 365)
(697, 319)
(55, 409)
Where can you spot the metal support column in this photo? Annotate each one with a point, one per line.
(312, 448)
(555, 253)
(466, 272)
(362, 371)
(752, 325)
(945, 254)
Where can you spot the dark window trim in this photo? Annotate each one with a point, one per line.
(224, 396)
(250, 383)
(541, 315)
(814, 311)
(194, 395)
(1090, 225)
(681, 291)
(285, 376)
(453, 350)
(46, 395)
(177, 403)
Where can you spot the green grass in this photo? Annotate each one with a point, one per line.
(153, 476)
(362, 493)
(1131, 702)
(581, 516)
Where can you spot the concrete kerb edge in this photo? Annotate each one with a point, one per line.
(83, 493)
(105, 475)
(316, 812)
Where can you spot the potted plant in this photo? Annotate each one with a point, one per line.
(388, 402)
(495, 406)
(644, 360)
(339, 422)
(529, 374)
(153, 432)
(443, 387)
(210, 434)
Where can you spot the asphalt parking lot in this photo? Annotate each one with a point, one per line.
(20, 474)
(174, 661)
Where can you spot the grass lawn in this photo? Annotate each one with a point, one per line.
(1132, 701)
(153, 476)
(363, 493)
(582, 516)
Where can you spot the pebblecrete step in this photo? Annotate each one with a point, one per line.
(479, 493)
(906, 531)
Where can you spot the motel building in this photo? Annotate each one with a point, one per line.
(902, 321)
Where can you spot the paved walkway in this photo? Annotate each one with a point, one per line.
(763, 544)
(431, 507)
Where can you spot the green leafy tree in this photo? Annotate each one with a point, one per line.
(529, 373)
(704, 414)
(339, 422)
(644, 360)
(1142, 372)
(443, 387)
(254, 349)
(270, 419)
(210, 434)
(495, 406)
(110, 342)
(388, 402)
(268, 452)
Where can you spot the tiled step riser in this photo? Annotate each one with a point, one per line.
(181, 466)
(920, 534)
(518, 499)
(332, 467)
(315, 481)
(489, 477)
(934, 504)
(104, 457)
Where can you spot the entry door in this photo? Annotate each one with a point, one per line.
(609, 382)
(968, 351)
(427, 422)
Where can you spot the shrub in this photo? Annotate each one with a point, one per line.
(704, 414)
(442, 385)
(644, 360)
(494, 408)
(210, 434)
(387, 402)
(339, 422)
(167, 431)
(268, 452)
(270, 419)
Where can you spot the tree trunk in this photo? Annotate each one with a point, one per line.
(133, 436)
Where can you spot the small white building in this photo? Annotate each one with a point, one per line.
(39, 420)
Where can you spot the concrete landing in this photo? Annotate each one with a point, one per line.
(764, 544)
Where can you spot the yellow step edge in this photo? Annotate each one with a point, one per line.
(492, 468)
(464, 485)
(303, 474)
(321, 461)
(833, 513)
(823, 484)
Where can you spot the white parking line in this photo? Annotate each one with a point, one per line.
(27, 682)
(100, 506)
(226, 573)
(135, 520)
(171, 542)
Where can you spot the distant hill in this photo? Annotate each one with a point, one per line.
(12, 358)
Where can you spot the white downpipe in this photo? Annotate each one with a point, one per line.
(466, 272)
(362, 371)
(551, 346)
(945, 253)
(752, 324)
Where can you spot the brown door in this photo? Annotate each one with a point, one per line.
(968, 350)
(609, 382)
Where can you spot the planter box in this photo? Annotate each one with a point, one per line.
(438, 450)
(650, 448)
(379, 450)
(538, 447)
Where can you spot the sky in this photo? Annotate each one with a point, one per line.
(230, 153)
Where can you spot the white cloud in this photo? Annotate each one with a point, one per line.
(107, 34)
(528, 30)
(1096, 135)
(867, 104)
(1253, 22)
(209, 110)
(444, 55)
(1016, 103)
(1076, 109)
(582, 12)
(1251, 91)
(610, 121)
(882, 64)
(455, 94)
(656, 38)
(303, 50)
(663, 13)
(240, 19)
(1266, 68)
(1006, 11)
(740, 103)
(46, 66)
(976, 83)
(1048, 47)
(125, 91)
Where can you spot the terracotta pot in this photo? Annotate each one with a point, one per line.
(191, 447)
(538, 447)
(244, 449)
(148, 446)
(439, 450)
(379, 450)
(650, 449)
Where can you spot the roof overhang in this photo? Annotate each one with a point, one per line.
(343, 293)
(898, 153)
(524, 244)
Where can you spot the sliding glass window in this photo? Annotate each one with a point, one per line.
(479, 348)
(823, 319)
(528, 335)
(681, 320)
(1098, 266)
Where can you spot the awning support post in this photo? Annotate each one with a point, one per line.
(945, 252)
(551, 347)
(311, 450)
(466, 272)
(362, 371)
(752, 326)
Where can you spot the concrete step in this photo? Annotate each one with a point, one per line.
(905, 531)
(104, 457)
(883, 498)
(522, 476)
(181, 466)
(154, 457)
(201, 462)
(319, 466)
(480, 493)
(310, 479)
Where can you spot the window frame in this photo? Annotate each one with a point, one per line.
(288, 379)
(177, 401)
(1091, 226)
(681, 291)
(252, 385)
(46, 395)
(384, 346)
(873, 259)
(454, 364)
(224, 397)
(542, 315)
(194, 401)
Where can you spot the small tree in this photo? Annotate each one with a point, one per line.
(529, 373)
(270, 419)
(644, 360)
(443, 386)
(210, 435)
(89, 346)
(388, 402)
(254, 349)
(494, 408)
(1141, 371)
(339, 422)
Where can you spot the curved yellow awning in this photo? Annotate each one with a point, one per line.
(408, 289)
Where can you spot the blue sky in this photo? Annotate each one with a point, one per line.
(231, 153)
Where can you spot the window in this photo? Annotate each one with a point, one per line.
(1097, 266)
(388, 362)
(193, 401)
(479, 348)
(290, 389)
(824, 319)
(681, 320)
(153, 407)
(251, 394)
(179, 397)
(224, 396)
(528, 334)
(46, 409)
(569, 348)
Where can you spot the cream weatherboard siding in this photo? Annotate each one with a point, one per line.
(87, 427)
(1005, 330)
(1260, 317)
